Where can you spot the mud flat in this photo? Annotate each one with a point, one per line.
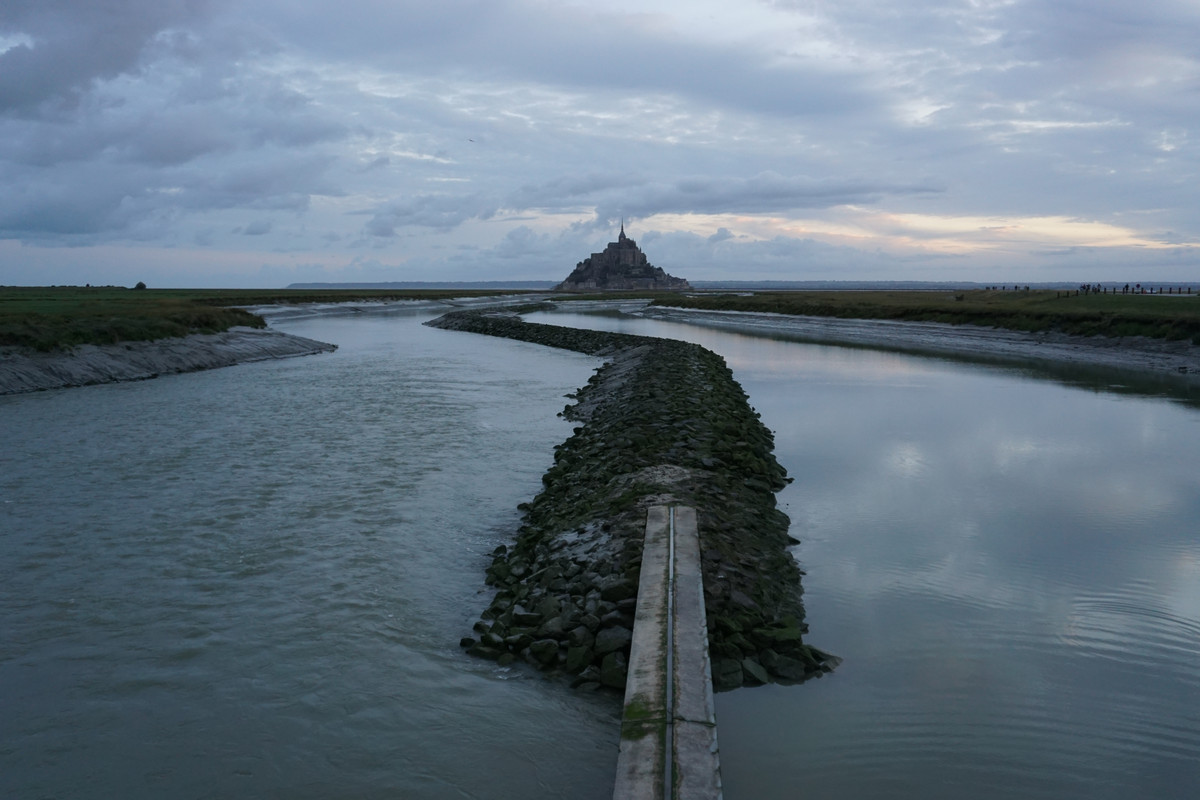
(661, 422)
(23, 370)
(1178, 359)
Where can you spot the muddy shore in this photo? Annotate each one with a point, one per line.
(662, 422)
(23, 370)
(1179, 360)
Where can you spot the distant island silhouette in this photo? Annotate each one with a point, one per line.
(622, 266)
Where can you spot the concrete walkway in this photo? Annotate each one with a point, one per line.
(669, 728)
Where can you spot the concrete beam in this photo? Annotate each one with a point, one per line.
(668, 729)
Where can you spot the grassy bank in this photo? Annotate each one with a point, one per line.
(1173, 317)
(46, 318)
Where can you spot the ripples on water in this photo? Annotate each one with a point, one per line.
(1010, 568)
(251, 582)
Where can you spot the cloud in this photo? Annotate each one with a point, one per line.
(766, 192)
(459, 138)
(66, 46)
(257, 228)
(617, 195)
(721, 235)
(521, 242)
(439, 212)
(569, 45)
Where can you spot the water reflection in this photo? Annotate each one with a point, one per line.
(1184, 389)
(1008, 566)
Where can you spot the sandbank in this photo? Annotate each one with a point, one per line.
(1179, 359)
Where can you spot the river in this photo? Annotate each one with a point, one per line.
(1007, 560)
(251, 582)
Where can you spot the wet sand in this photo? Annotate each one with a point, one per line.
(1135, 353)
(23, 370)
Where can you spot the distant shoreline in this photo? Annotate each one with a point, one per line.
(24, 370)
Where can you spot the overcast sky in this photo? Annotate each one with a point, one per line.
(261, 142)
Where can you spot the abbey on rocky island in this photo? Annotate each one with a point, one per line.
(621, 267)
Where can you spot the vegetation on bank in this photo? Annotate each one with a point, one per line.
(1173, 317)
(47, 318)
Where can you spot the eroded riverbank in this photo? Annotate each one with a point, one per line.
(662, 422)
(1178, 360)
(24, 370)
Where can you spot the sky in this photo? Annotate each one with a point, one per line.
(257, 143)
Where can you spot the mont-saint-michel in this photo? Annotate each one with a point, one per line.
(621, 266)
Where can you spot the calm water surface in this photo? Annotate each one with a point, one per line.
(251, 582)
(1010, 567)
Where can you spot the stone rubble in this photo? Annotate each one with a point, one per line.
(663, 421)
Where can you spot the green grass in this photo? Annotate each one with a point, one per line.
(47, 318)
(1158, 316)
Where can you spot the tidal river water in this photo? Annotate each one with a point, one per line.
(1007, 560)
(251, 582)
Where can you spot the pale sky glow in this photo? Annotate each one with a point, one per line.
(237, 143)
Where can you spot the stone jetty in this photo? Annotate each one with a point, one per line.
(661, 422)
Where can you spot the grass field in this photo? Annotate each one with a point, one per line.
(46, 318)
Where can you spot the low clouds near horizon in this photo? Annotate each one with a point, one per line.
(222, 142)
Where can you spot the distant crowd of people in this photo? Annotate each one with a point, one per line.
(1137, 288)
(1099, 288)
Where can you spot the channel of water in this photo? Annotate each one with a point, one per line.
(251, 582)
(1007, 560)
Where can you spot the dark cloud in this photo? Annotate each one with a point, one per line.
(439, 212)
(521, 242)
(763, 193)
(721, 235)
(475, 133)
(76, 42)
(99, 201)
(616, 195)
(588, 48)
(257, 228)
(42, 211)
(574, 188)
